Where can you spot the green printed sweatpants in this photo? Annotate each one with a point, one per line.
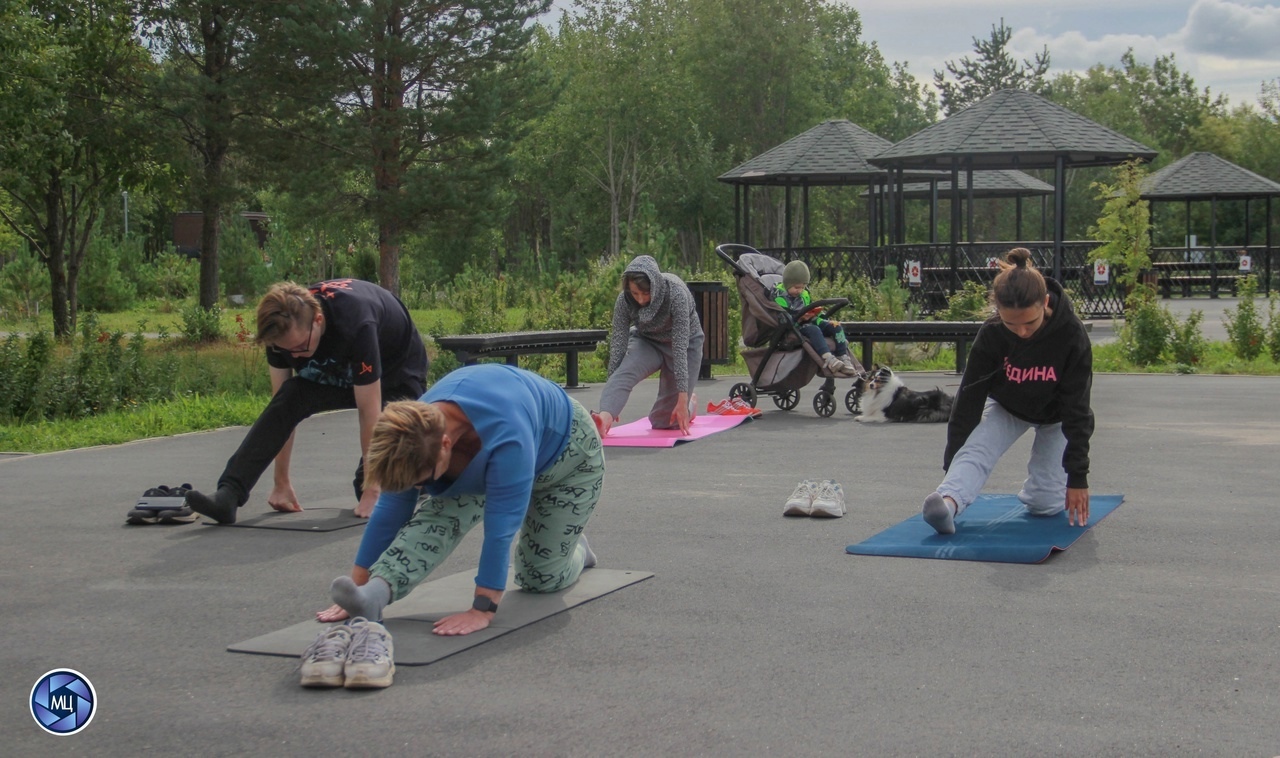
(547, 557)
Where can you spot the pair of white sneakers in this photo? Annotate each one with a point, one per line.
(818, 498)
(356, 655)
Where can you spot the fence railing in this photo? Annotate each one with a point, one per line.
(1199, 271)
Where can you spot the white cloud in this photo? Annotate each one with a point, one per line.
(1233, 30)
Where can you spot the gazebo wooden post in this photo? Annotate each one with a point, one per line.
(746, 214)
(933, 212)
(955, 220)
(1186, 242)
(968, 209)
(1267, 263)
(786, 218)
(891, 223)
(737, 212)
(1213, 247)
(804, 191)
(1059, 213)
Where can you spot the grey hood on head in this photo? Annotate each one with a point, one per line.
(647, 265)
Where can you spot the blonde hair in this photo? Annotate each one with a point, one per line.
(285, 306)
(1019, 284)
(405, 443)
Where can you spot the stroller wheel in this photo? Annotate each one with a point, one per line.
(824, 403)
(787, 399)
(744, 391)
(853, 401)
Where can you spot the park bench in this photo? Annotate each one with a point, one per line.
(511, 345)
(1192, 276)
(870, 332)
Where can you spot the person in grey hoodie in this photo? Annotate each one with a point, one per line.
(655, 329)
(1031, 368)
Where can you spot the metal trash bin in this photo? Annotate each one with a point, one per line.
(712, 301)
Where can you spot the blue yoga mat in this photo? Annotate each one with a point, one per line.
(995, 528)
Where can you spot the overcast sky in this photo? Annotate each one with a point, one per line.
(1230, 46)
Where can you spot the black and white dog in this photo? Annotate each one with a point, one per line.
(886, 398)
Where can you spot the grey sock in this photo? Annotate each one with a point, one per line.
(938, 515)
(589, 556)
(367, 600)
(221, 507)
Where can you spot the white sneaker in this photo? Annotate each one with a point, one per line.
(369, 658)
(829, 502)
(833, 365)
(324, 662)
(850, 368)
(801, 501)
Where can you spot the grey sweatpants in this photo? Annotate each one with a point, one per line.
(643, 358)
(1045, 490)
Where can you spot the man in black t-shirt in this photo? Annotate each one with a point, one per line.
(342, 343)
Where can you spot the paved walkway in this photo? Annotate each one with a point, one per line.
(1155, 635)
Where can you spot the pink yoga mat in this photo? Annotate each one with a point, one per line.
(642, 434)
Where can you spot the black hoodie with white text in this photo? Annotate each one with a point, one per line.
(1045, 379)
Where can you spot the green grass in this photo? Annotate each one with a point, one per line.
(162, 419)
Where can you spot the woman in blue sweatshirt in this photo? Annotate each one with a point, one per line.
(1031, 367)
(488, 443)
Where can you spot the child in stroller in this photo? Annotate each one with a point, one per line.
(781, 360)
(793, 294)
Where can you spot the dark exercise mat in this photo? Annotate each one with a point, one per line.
(410, 620)
(308, 520)
(995, 528)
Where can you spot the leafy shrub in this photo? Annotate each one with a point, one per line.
(481, 299)
(1244, 326)
(170, 276)
(24, 287)
(1187, 343)
(105, 283)
(971, 303)
(1146, 332)
(1273, 328)
(242, 269)
(21, 373)
(200, 324)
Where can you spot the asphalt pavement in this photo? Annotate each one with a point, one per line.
(1156, 634)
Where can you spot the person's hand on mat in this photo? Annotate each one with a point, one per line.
(367, 500)
(1077, 506)
(360, 576)
(680, 416)
(462, 623)
(282, 498)
(331, 614)
(604, 421)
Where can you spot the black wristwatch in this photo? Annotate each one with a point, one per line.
(484, 604)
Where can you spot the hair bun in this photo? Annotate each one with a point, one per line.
(1020, 257)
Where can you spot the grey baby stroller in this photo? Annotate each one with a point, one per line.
(780, 359)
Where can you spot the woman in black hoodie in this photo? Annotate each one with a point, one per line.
(1031, 367)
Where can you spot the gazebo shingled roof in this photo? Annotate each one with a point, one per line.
(1202, 176)
(1013, 129)
(831, 153)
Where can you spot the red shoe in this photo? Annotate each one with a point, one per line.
(732, 407)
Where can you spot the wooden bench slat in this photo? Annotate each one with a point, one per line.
(511, 345)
